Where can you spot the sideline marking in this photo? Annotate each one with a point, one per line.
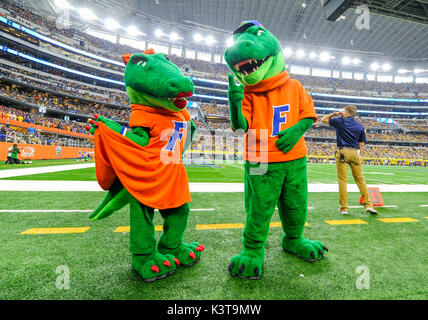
(67, 211)
(390, 206)
(128, 228)
(92, 186)
(219, 226)
(423, 205)
(56, 230)
(392, 220)
(345, 222)
(37, 211)
(8, 173)
(378, 173)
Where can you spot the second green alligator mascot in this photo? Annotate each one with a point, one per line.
(275, 112)
(143, 166)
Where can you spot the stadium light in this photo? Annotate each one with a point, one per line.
(324, 56)
(159, 33)
(313, 55)
(386, 67)
(87, 14)
(133, 31)
(210, 40)
(416, 70)
(401, 71)
(197, 37)
(374, 66)
(356, 61)
(229, 42)
(346, 61)
(174, 36)
(111, 24)
(300, 54)
(288, 52)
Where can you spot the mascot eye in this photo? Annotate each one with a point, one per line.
(259, 33)
(139, 60)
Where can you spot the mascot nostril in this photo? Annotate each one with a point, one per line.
(136, 164)
(268, 99)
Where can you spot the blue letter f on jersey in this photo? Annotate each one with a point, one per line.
(279, 117)
(177, 135)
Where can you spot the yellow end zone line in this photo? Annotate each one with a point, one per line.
(56, 230)
(214, 226)
(392, 220)
(345, 222)
(128, 228)
(218, 226)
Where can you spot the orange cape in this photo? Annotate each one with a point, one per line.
(142, 172)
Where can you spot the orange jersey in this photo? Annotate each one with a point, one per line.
(154, 174)
(271, 106)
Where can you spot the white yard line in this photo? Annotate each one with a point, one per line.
(381, 173)
(71, 211)
(86, 186)
(390, 206)
(47, 211)
(27, 171)
(423, 205)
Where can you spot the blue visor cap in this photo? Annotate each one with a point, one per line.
(247, 24)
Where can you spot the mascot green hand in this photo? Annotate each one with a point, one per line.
(275, 112)
(142, 165)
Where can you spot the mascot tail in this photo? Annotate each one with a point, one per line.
(116, 198)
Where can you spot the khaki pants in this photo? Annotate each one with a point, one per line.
(353, 159)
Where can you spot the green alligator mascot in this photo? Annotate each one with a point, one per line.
(143, 165)
(275, 112)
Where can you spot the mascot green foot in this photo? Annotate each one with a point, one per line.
(303, 248)
(186, 254)
(154, 266)
(248, 264)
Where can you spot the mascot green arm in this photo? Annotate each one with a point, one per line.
(193, 131)
(289, 137)
(138, 135)
(235, 96)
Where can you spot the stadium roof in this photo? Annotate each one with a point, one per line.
(393, 30)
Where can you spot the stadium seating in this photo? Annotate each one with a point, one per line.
(26, 86)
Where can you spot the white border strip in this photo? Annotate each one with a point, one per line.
(8, 173)
(88, 186)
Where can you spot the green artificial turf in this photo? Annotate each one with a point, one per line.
(39, 163)
(99, 260)
(317, 173)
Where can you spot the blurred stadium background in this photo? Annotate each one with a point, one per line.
(60, 62)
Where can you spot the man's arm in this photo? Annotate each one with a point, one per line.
(361, 145)
(326, 118)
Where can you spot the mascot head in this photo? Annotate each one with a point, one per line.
(152, 80)
(255, 55)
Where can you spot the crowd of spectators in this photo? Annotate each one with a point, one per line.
(370, 151)
(65, 86)
(190, 66)
(66, 104)
(414, 125)
(220, 144)
(39, 119)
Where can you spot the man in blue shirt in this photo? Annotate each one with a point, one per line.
(351, 137)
